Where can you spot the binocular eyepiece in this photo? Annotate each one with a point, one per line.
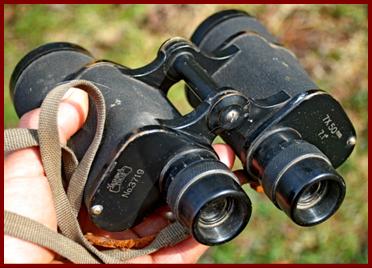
(208, 198)
(298, 177)
(244, 86)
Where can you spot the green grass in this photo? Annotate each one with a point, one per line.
(331, 43)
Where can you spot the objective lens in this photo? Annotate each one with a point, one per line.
(312, 195)
(62, 59)
(215, 212)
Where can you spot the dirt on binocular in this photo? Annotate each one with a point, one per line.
(330, 42)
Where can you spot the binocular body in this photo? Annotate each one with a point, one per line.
(244, 86)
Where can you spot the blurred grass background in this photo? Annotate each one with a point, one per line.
(331, 43)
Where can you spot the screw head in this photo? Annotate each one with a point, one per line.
(170, 216)
(351, 141)
(228, 111)
(232, 116)
(96, 209)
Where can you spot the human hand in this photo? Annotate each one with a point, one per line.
(27, 192)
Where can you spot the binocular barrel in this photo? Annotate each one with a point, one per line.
(287, 159)
(244, 86)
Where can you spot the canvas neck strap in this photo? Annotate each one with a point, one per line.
(70, 242)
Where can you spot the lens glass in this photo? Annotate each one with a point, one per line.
(312, 195)
(318, 201)
(215, 211)
(221, 219)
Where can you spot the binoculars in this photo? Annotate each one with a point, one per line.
(244, 86)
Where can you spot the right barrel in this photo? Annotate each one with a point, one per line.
(261, 67)
(288, 145)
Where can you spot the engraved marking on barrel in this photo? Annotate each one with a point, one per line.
(285, 64)
(322, 135)
(331, 126)
(132, 183)
(116, 103)
(115, 185)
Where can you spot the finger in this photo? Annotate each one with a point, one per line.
(225, 154)
(56, 262)
(71, 116)
(152, 224)
(242, 176)
(187, 251)
(72, 112)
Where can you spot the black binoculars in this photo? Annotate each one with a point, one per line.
(244, 86)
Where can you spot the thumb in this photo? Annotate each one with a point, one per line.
(72, 113)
